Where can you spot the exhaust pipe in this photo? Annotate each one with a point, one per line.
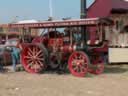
(83, 16)
(83, 9)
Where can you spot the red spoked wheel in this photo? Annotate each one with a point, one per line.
(78, 63)
(34, 58)
(97, 66)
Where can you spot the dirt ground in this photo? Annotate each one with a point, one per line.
(113, 82)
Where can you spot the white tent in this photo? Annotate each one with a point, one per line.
(28, 21)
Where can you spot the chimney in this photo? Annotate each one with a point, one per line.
(83, 9)
(82, 16)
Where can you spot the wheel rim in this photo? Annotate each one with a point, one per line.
(33, 59)
(78, 64)
(100, 68)
(98, 65)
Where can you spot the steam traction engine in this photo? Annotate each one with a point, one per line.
(64, 43)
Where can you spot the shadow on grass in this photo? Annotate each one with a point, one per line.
(115, 69)
(109, 69)
(66, 73)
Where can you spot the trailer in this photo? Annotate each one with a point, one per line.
(64, 44)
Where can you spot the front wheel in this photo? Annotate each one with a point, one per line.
(78, 63)
(33, 58)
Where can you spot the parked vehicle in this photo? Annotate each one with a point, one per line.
(73, 47)
(5, 57)
(6, 49)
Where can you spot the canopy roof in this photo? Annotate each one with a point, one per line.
(62, 23)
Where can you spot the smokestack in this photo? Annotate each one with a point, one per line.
(83, 9)
(82, 16)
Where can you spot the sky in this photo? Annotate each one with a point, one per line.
(38, 9)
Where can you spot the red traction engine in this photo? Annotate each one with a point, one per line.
(71, 47)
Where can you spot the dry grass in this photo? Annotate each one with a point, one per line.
(113, 82)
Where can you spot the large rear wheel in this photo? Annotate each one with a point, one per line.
(34, 58)
(78, 63)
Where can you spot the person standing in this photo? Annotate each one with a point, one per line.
(15, 57)
(1, 65)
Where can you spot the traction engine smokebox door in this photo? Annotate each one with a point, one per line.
(118, 55)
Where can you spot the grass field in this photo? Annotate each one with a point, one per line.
(113, 82)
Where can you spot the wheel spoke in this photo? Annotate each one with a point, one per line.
(78, 63)
(82, 68)
(29, 50)
(30, 64)
(76, 68)
(40, 59)
(75, 56)
(38, 53)
(41, 55)
(74, 62)
(80, 56)
(33, 58)
(37, 65)
(33, 66)
(27, 57)
(40, 63)
(34, 51)
(29, 61)
(84, 64)
(98, 64)
(30, 54)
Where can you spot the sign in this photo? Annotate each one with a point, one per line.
(61, 23)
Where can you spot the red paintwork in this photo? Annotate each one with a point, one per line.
(67, 49)
(60, 47)
(40, 39)
(92, 35)
(99, 69)
(57, 42)
(97, 64)
(55, 24)
(103, 8)
(119, 4)
(23, 45)
(102, 49)
(30, 67)
(78, 63)
(100, 8)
